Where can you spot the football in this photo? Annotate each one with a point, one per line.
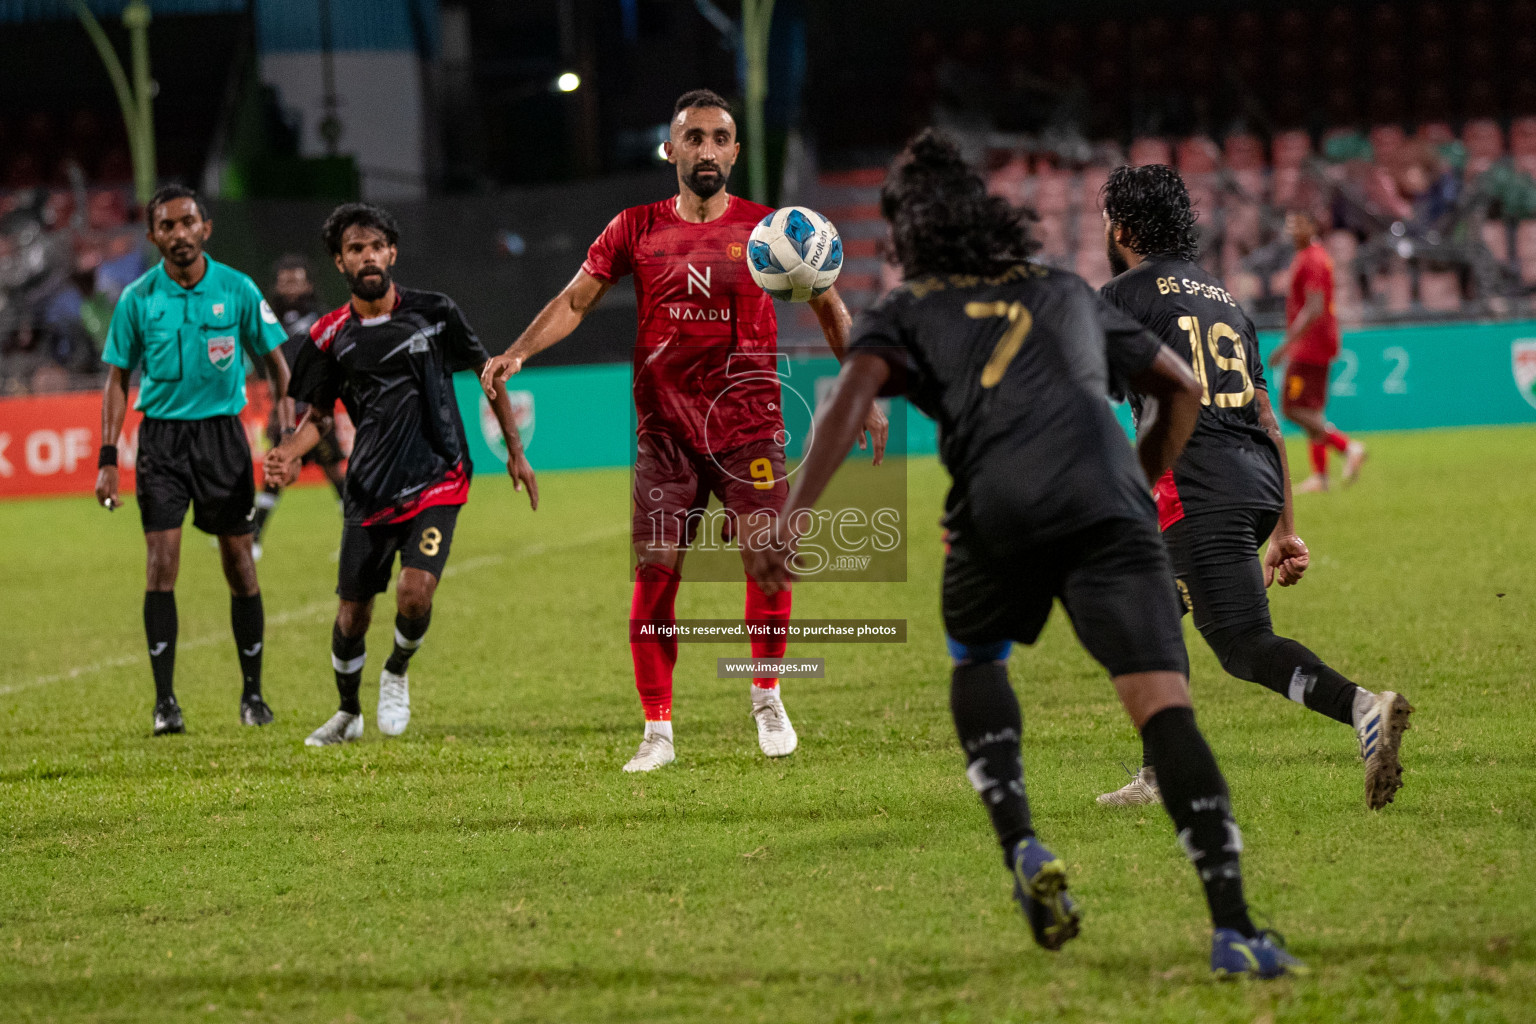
(794, 254)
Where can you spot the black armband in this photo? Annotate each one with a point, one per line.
(107, 457)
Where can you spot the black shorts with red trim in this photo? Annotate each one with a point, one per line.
(368, 552)
(1113, 578)
(672, 486)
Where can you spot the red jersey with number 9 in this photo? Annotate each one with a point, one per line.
(706, 357)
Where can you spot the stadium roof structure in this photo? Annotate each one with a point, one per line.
(281, 25)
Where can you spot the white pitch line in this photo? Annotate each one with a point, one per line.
(309, 612)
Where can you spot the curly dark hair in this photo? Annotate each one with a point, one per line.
(349, 215)
(942, 219)
(1152, 205)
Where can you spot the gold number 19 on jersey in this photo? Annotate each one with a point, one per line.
(1019, 323)
(1238, 361)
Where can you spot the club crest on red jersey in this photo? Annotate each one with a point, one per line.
(736, 251)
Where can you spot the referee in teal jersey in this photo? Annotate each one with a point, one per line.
(185, 323)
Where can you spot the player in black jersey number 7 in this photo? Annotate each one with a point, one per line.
(1013, 361)
(389, 355)
(1230, 490)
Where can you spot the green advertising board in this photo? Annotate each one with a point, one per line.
(1386, 378)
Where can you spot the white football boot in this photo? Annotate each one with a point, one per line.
(394, 703)
(1381, 732)
(775, 734)
(1141, 790)
(655, 752)
(342, 727)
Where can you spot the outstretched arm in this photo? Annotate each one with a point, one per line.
(839, 423)
(1286, 558)
(836, 322)
(1168, 421)
(517, 462)
(554, 323)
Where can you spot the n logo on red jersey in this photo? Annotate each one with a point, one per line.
(700, 279)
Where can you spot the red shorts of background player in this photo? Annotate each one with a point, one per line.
(673, 484)
(1306, 386)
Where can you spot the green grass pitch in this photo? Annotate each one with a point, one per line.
(495, 864)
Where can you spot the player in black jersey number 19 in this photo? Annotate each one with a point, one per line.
(1230, 490)
(389, 355)
(1013, 361)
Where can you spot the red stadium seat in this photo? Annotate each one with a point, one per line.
(1150, 150)
(1092, 264)
(1092, 180)
(1393, 288)
(1386, 141)
(1484, 142)
(1495, 235)
(1052, 194)
(1291, 149)
(1440, 291)
(1243, 153)
(1010, 180)
(1436, 133)
(1198, 155)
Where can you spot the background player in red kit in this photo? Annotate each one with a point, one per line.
(1311, 343)
(706, 396)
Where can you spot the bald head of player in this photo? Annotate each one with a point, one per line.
(1147, 212)
(702, 143)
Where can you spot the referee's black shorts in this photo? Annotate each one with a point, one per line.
(204, 463)
(1113, 578)
(1221, 580)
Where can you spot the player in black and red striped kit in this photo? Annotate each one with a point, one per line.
(389, 356)
(1229, 491)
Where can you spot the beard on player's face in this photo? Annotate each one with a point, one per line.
(370, 284)
(704, 184)
(1117, 262)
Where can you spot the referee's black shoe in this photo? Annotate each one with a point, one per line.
(168, 716)
(254, 710)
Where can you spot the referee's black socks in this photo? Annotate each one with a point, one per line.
(160, 631)
(347, 657)
(409, 634)
(249, 623)
(987, 719)
(1196, 797)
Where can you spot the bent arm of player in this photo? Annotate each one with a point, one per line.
(559, 317)
(1286, 557)
(114, 410)
(836, 322)
(837, 426)
(1311, 309)
(517, 462)
(281, 463)
(1168, 421)
(279, 375)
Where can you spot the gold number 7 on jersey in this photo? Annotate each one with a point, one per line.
(1019, 323)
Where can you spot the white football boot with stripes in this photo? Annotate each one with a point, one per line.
(394, 703)
(1140, 791)
(1381, 731)
(342, 727)
(775, 735)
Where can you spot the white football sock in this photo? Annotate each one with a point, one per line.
(1363, 700)
(659, 729)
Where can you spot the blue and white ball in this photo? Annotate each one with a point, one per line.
(794, 254)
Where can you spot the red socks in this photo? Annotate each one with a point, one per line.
(765, 610)
(655, 594)
(1337, 441)
(1319, 450)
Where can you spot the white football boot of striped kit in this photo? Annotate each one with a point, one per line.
(775, 735)
(395, 693)
(342, 727)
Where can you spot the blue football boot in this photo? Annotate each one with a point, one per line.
(1040, 886)
(1262, 956)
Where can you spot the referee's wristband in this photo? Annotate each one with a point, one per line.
(107, 457)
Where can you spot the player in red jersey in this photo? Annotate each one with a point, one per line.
(1311, 343)
(706, 395)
